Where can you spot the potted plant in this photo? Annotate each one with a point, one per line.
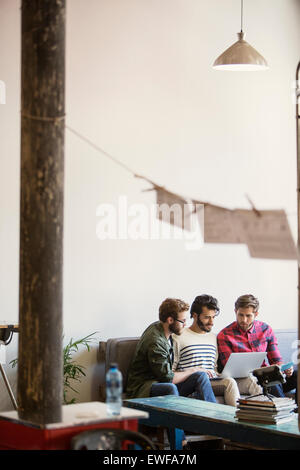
(72, 371)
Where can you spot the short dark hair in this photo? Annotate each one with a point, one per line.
(245, 301)
(171, 308)
(204, 301)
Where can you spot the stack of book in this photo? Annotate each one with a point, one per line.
(262, 409)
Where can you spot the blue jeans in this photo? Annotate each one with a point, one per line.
(161, 389)
(197, 384)
(290, 384)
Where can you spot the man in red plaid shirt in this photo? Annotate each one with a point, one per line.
(247, 334)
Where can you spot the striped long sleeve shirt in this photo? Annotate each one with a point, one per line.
(195, 349)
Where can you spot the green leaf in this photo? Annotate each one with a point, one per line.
(72, 371)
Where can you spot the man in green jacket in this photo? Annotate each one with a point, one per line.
(150, 373)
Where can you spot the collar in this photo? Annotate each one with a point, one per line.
(250, 331)
(162, 332)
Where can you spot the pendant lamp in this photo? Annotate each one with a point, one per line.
(240, 56)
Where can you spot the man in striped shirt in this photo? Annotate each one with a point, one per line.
(197, 347)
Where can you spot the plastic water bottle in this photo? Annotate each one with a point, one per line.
(114, 390)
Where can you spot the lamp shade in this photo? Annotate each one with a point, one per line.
(240, 56)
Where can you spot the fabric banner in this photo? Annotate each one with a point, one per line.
(267, 234)
(221, 225)
(173, 209)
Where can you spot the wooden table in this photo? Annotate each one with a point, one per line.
(214, 419)
(19, 434)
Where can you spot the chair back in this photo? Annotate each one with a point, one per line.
(111, 439)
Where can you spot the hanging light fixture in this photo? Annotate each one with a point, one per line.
(240, 56)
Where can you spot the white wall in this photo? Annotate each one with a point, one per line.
(9, 179)
(140, 85)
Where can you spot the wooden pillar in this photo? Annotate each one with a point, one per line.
(40, 384)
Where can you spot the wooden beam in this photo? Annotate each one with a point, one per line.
(40, 385)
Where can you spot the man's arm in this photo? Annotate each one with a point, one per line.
(225, 348)
(181, 376)
(159, 363)
(273, 353)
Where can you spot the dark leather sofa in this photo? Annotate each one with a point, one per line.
(121, 350)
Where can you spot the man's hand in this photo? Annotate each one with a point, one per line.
(180, 376)
(201, 369)
(210, 373)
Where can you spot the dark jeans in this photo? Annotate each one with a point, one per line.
(290, 384)
(197, 384)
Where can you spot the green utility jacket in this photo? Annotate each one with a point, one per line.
(151, 362)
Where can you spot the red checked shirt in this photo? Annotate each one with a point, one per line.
(259, 337)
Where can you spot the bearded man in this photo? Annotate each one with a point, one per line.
(247, 334)
(151, 374)
(197, 347)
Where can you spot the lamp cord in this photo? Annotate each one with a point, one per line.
(242, 14)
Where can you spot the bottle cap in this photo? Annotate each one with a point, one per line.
(113, 365)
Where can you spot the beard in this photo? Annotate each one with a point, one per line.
(177, 330)
(206, 328)
(246, 327)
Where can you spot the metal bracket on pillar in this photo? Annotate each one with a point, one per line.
(6, 334)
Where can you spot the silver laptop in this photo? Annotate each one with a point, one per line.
(240, 365)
